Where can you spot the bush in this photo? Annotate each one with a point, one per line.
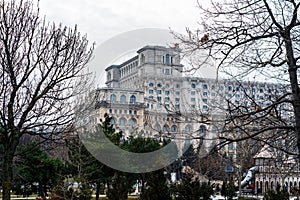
(246, 198)
(276, 195)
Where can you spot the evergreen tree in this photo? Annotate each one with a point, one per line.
(35, 166)
(120, 186)
(156, 187)
(278, 194)
(223, 188)
(191, 189)
(230, 190)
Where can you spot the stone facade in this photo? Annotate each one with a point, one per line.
(150, 92)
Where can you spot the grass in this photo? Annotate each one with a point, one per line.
(135, 197)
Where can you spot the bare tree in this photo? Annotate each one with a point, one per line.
(41, 64)
(255, 40)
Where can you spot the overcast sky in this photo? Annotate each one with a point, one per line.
(103, 19)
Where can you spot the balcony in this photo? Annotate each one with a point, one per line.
(118, 104)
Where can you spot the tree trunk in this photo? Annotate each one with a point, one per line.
(7, 173)
(292, 68)
(97, 190)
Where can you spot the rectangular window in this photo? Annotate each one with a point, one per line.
(167, 72)
(230, 146)
(167, 99)
(150, 91)
(177, 99)
(158, 98)
(205, 94)
(193, 99)
(167, 92)
(193, 92)
(230, 156)
(177, 106)
(158, 91)
(177, 93)
(204, 100)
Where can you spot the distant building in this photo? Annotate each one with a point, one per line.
(149, 92)
(276, 169)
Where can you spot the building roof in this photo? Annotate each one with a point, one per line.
(150, 47)
(265, 152)
(122, 64)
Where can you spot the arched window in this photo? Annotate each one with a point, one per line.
(123, 99)
(173, 128)
(193, 85)
(112, 121)
(122, 121)
(151, 84)
(167, 58)
(214, 129)
(113, 98)
(132, 121)
(165, 128)
(132, 99)
(272, 185)
(266, 185)
(157, 127)
(188, 128)
(202, 129)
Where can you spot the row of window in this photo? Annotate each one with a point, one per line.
(166, 59)
(188, 128)
(113, 98)
(205, 94)
(166, 106)
(221, 87)
(123, 121)
(128, 68)
(160, 85)
(236, 89)
(130, 112)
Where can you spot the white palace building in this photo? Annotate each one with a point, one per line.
(150, 93)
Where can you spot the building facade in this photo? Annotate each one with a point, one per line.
(150, 92)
